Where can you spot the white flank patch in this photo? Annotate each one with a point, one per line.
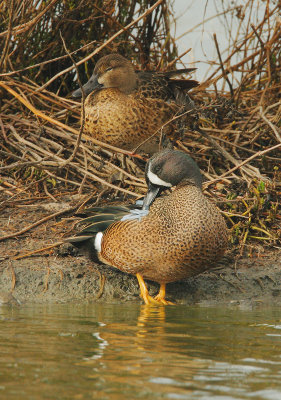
(98, 240)
(156, 180)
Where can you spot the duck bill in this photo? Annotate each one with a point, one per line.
(153, 192)
(91, 85)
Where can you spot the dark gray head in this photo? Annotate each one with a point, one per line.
(169, 168)
(111, 71)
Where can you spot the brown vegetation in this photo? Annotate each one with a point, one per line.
(236, 138)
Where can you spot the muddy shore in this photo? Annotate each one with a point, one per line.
(63, 275)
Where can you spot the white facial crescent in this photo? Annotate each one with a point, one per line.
(156, 180)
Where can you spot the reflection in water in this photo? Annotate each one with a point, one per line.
(139, 352)
(144, 352)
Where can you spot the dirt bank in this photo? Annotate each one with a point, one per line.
(62, 275)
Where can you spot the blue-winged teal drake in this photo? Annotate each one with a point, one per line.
(124, 107)
(175, 236)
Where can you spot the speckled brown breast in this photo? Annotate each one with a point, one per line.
(183, 235)
(125, 120)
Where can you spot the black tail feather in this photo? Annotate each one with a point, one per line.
(96, 219)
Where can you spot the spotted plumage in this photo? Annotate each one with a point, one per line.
(175, 236)
(124, 107)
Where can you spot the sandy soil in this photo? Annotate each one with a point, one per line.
(63, 275)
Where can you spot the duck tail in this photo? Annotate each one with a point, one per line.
(97, 220)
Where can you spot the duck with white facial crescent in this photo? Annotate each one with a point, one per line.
(175, 236)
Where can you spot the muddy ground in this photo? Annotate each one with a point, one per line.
(61, 274)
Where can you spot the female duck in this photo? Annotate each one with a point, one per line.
(124, 107)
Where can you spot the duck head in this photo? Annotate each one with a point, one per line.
(168, 168)
(111, 71)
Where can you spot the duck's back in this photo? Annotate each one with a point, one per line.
(159, 85)
(183, 235)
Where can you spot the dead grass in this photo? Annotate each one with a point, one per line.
(236, 137)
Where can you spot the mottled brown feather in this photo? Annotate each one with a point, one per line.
(183, 235)
(132, 106)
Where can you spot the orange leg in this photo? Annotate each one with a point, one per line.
(144, 292)
(161, 295)
(159, 299)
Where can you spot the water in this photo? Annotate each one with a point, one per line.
(138, 352)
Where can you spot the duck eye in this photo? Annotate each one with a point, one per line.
(108, 69)
(157, 169)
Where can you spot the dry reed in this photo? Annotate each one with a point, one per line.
(236, 137)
